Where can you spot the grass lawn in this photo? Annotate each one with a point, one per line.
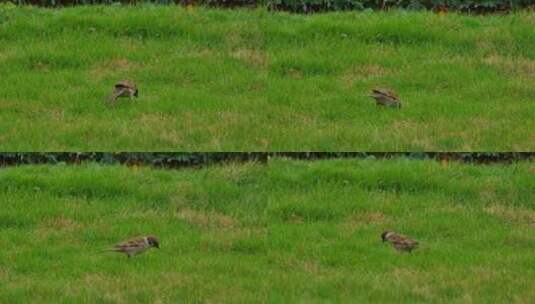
(220, 80)
(289, 231)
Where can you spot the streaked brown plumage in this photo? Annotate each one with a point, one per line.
(385, 97)
(135, 246)
(123, 88)
(399, 241)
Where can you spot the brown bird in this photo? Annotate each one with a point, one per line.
(385, 97)
(123, 88)
(135, 246)
(400, 242)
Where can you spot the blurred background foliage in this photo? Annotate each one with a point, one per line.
(309, 6)
(183, 159)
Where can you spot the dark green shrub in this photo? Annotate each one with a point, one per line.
(181, 159)
(478, 6)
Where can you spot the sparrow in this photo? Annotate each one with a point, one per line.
(135, 246)
(385, 97)
(400, 242)
(123, 88)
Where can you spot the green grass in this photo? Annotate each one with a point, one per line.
(285, 232)
(220, 80)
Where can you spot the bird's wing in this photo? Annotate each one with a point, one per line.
(125, 84)
(398, 238)
(131, 243)
(394, 237)
(378, 91)
(386, 93)
(391, 94)
(405, 242)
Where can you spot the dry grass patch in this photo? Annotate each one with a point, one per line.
(303, 121)
(165, 126)
(253, 57)
(235, 172)
(4, 274)
(121, 64)
(199, 54)
(7, 104)
(408, 130)
(514, 215)
(151, 119)
(362, 72)
(145, 214)
(370, 218)
(229, 239)
(57, 226)
(311, 266)
(102, 69)
(230, 117)
(512, 66)
(417, 281)
(362, 220)
(206, 220)
(61, 223)
(109, 289)
(56, 114)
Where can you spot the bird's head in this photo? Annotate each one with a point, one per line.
(135, 93)
(385, 235)
(153, 241)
